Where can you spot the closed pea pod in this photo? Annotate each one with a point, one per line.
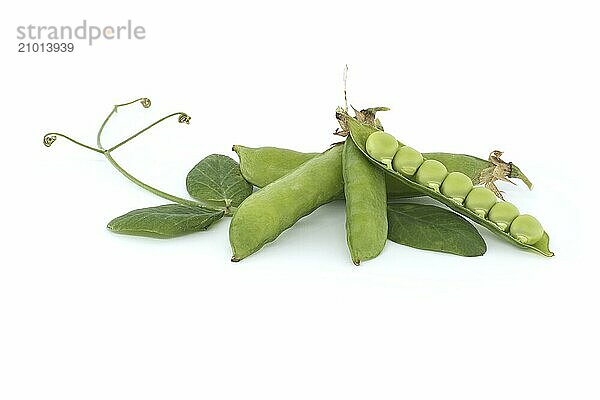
(431, 174)
(382, 147)
(263, 165)
(503, 214)
(526, 229)
(407, 160)
(456, 186)
(366, 205)
(480, 200)
(264, 215)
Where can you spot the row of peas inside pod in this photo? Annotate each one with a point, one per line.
(455, 185)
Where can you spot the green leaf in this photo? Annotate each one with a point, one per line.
(217, 180)
(360, 132)
(434, 228)
(166, 221)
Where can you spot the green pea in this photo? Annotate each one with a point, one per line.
(480, 200)
(407, 160)
(431, 174)
(457, 186)
(366, 205)
(502, 214)
(526, 229)
(382, 147)
(265, 214)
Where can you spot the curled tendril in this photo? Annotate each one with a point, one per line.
(146, 103)
(184, 118)
(49, 139)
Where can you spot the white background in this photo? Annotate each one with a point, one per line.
(86, 314)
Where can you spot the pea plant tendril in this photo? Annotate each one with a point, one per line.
(182, 117)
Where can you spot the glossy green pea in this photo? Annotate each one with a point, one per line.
(265, 214)
(480, 200)
(407, 160)
(503, 214)
(382, 147)
(526, 229)
(456, 186)
(366, 204)
(431, 174)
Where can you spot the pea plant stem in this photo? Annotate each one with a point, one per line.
(183, 118)
(49, 138)
(145, 102)
(181, 114)
(149, 188)
(157, 192)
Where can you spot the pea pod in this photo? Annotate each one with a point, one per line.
(265, 214)
(473, 166)
(366, 205)
(360, 132)
(263, 165)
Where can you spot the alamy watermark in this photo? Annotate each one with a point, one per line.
(85, 31)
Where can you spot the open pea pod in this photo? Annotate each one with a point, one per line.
(359, 133)
(473, 166)
(263, 165)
